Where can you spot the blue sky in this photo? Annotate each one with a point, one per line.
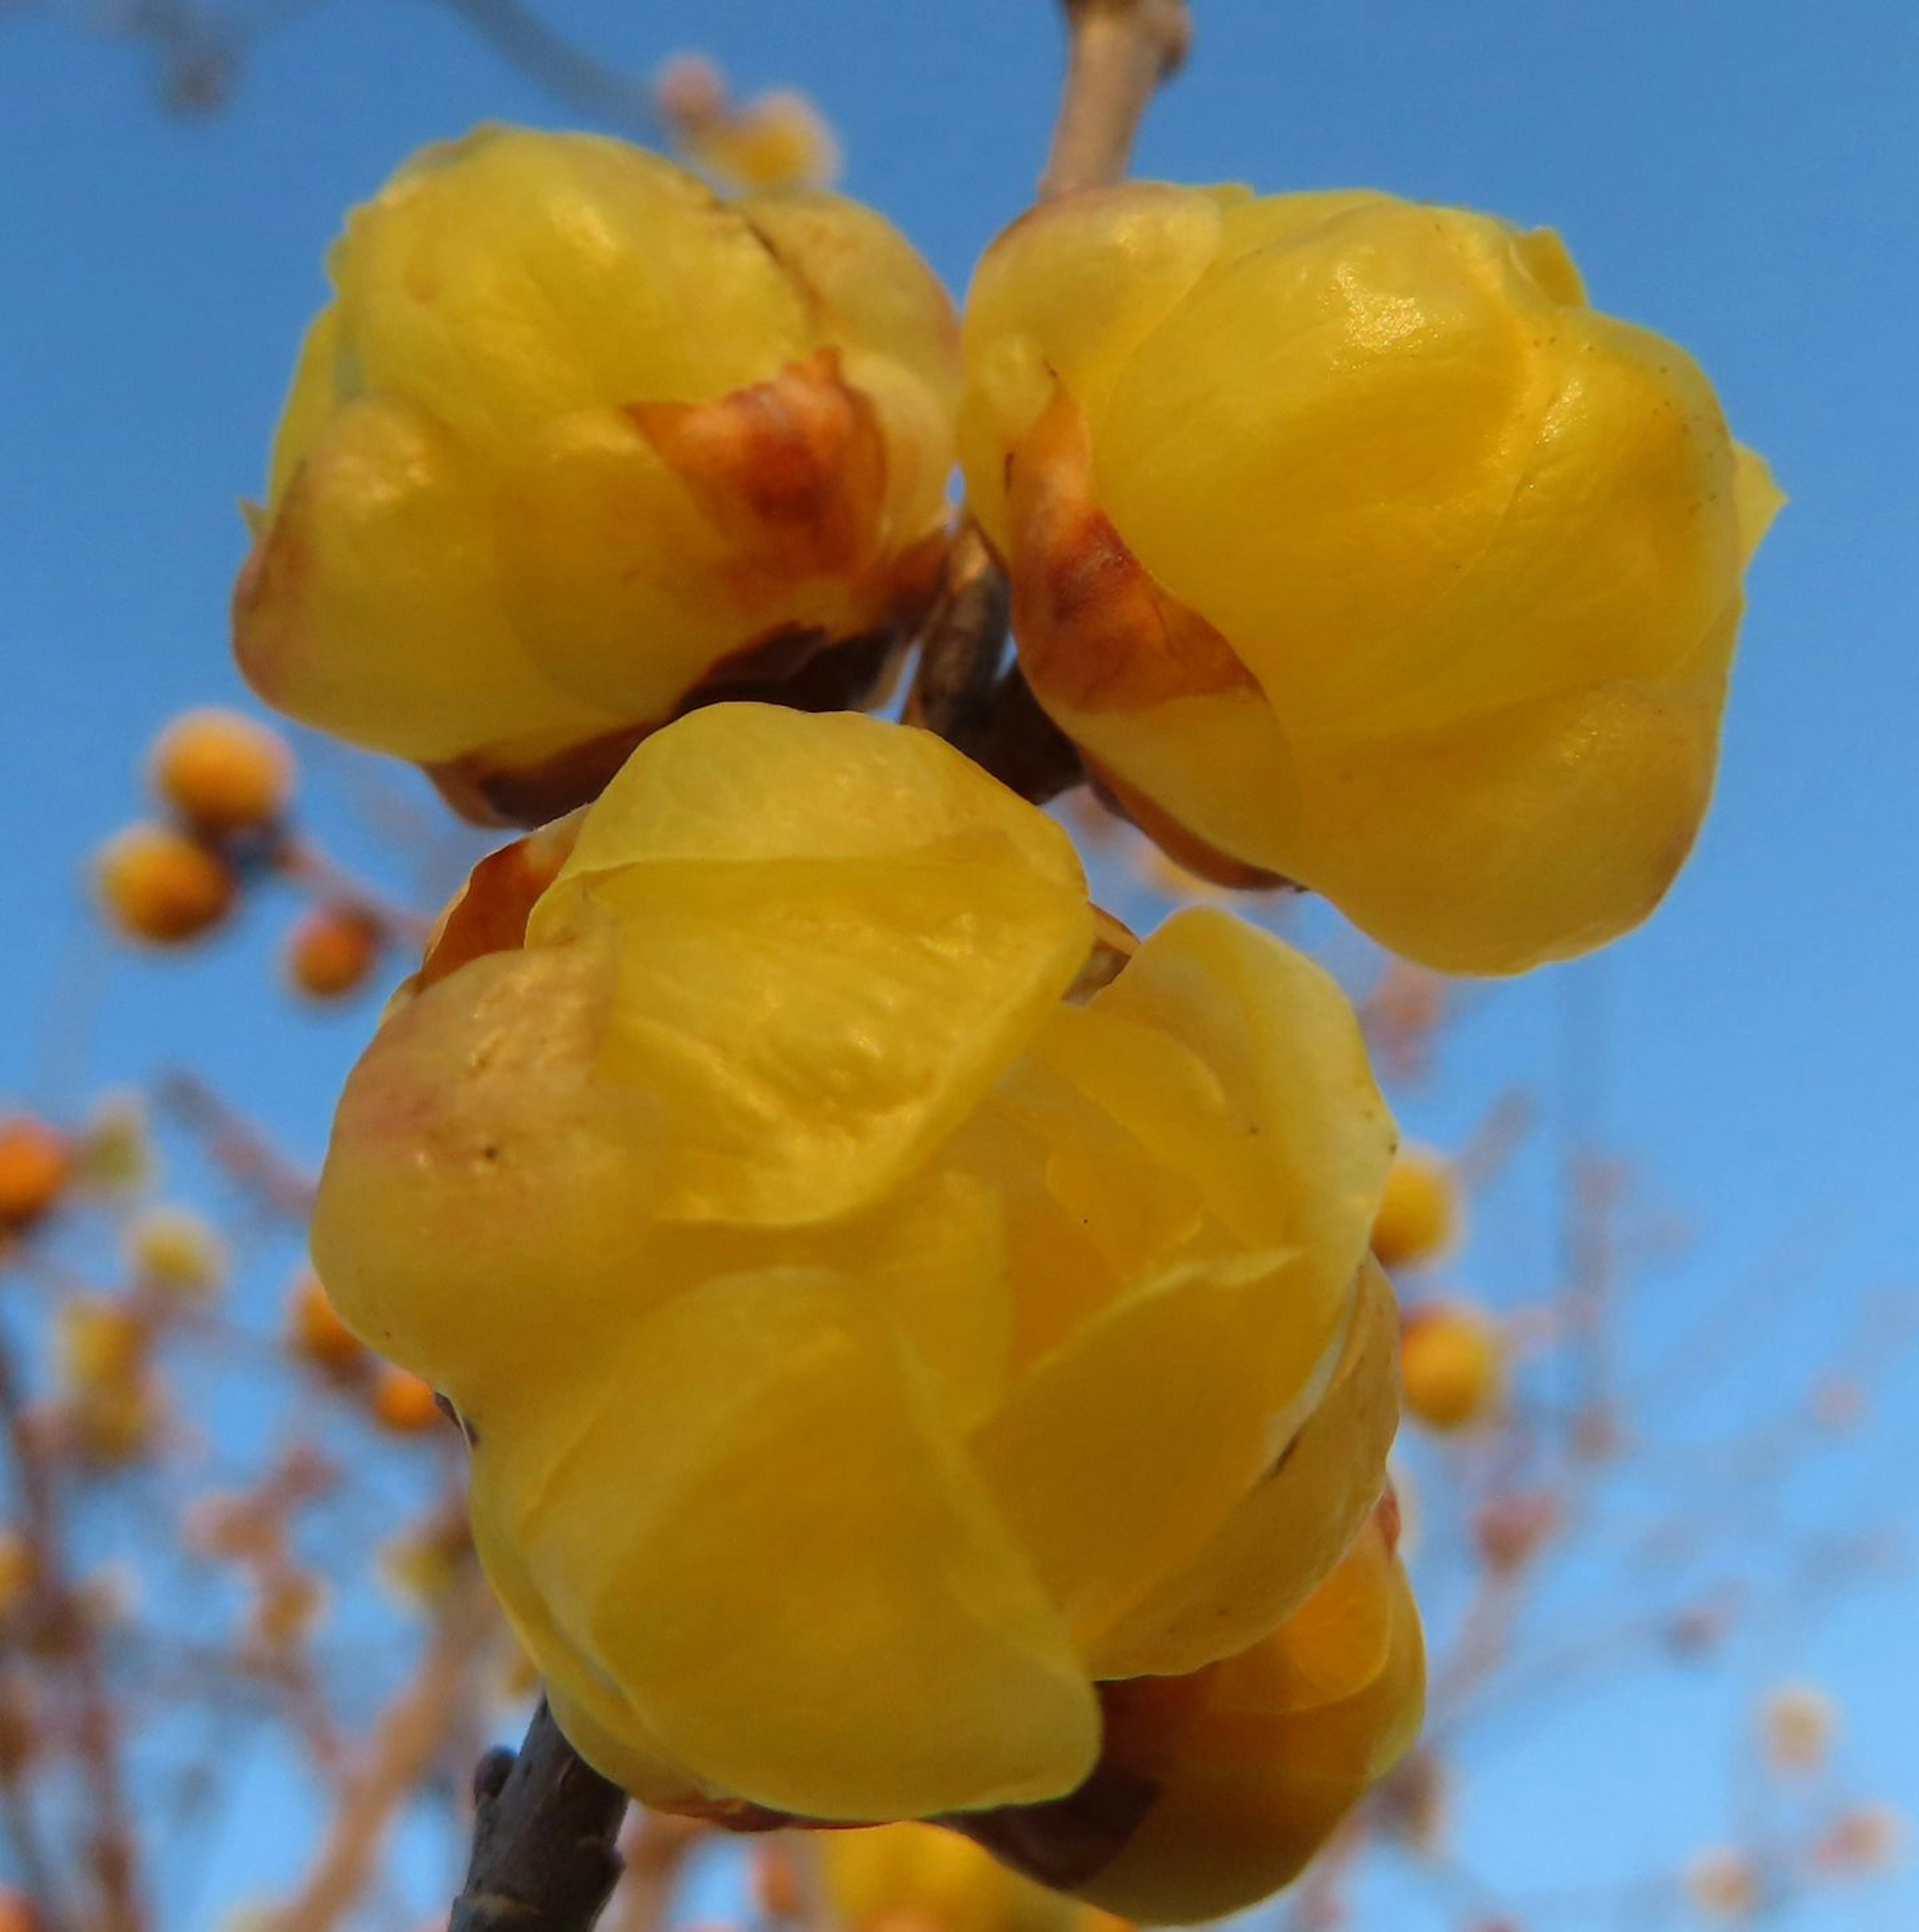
(1737, 173)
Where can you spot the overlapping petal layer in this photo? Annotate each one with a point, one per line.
(1352, 547)
(869, 1341)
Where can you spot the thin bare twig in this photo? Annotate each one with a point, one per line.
(406, 1741)
(1119, 53)
(544, 1836)
(113, 1848)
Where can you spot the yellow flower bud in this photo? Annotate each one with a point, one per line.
(162, 888)
(1419, 1214)
(111, 1401)
(883, 1307)
(175, 1251)
(113, 1153)
(1352, 547)
(1451, 1365)
(222, 772)
(1800, 1722)
(577, 445)
(1215, 1789)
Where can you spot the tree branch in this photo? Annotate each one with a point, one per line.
(1119, 53)
(408, 1738)
(543, 1837)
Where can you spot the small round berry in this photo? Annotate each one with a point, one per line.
(315, 1332)
(1419, 1215)
(403, 1405)
(159, 886)
(332, 951)
(36, 1165)
(222, 772)
(1451, 1365)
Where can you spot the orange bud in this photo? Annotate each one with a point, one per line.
(159, 886)
(332, 951)
(403, 1405)
(1451, 1365)
(36, 1164)
(1215, 1789)
(316, 1332)
(222, 772)
(1418, 1216)
(18, 1912)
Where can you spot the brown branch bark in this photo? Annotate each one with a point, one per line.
(544, 1857)
(1119, 52)
(112, 1849)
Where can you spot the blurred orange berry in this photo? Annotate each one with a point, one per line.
(1452, 1364)
(36, 1164)
(1419, 1218)
(315, 1332)
(332, 951)
(1868, 1838)
(222, 772)
(403, 1405)
(159, 886)
(18, 1912)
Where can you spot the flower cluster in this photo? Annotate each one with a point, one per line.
(924, 1351)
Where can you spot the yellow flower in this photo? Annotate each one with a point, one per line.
(881, 1307)
(222, 772)
(1451, 1365)
(1352, 546)
(931, 1880)
(578, 443)
(1215, 1789)
(1420, 1214)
